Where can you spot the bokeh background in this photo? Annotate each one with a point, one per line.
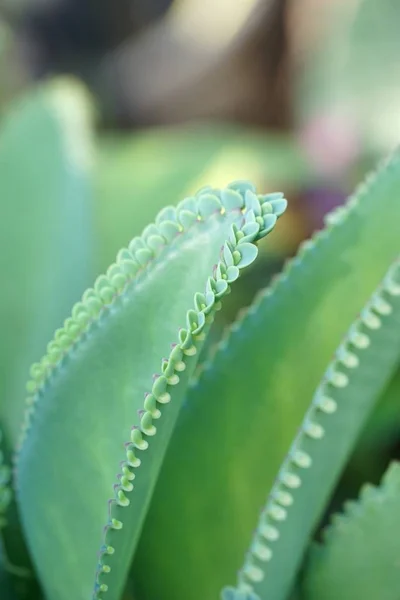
(301, 96)
(297, 95)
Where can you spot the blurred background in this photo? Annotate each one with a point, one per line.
(290, 93)
(301, 96)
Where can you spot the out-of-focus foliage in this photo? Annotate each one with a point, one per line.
(45, 159)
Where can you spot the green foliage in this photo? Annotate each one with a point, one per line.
(342, 402)
(251, 399)
(140, 471)
(46, 241)
(45, 156)
(360, 555)
(120, 331)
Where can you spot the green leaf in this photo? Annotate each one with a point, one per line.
(363, 364)
(360, 555)
(137, 174)
(45, 154)
(240, 418)
(88, 391)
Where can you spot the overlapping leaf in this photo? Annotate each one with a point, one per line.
(360, 555)
(352, 383)
(239, 420)
(86, 393)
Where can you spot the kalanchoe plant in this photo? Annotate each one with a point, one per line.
(141, 470)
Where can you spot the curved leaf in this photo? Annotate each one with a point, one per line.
(45, 154)
(360, 556)
(252, 398)
(88, 390)
(363, 364)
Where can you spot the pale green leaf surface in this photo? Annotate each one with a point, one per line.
(45, 231)
(86, 404)
(12, 69)
(239, 420)
(360, 556)
(363, 364)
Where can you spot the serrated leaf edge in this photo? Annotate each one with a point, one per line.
(206, 305)
(333, 220)
(280, 499)
(131, 263)
(369, 496)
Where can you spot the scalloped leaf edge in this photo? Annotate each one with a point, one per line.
(259, 220)
(369, 496)
(260, 213)
(332, 220)
(280, 498)
(372, 502)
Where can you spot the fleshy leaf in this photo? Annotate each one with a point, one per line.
(239, 419)
(96, 383)
(363, 364)
(45, 156)
(360, 555)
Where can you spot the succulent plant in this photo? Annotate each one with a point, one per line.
(141, 459)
